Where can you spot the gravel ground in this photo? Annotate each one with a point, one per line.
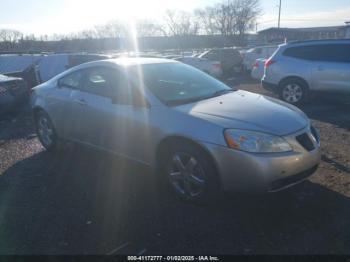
(84, 202)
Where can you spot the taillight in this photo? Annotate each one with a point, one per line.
(256, 65)
(269, 62)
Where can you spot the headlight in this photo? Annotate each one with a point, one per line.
(255, 142)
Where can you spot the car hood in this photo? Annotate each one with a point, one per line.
(249, 111)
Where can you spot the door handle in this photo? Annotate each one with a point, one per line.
(320, 68)
(81, 102)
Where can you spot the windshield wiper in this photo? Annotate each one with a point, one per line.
(222, 92)
(196, 99)
(184, 101)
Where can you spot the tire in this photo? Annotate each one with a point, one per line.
(190, 173)
(294, 91)
(46, 131)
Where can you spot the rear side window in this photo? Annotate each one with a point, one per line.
(303, 52)
(336, 53)
(339, 53)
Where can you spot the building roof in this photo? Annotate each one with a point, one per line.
(306, 29)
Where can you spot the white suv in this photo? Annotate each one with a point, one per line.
(298, 69)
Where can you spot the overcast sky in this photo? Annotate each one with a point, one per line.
(64, 16)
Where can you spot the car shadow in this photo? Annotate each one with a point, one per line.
(334, 110)
(84, 202)
(17, 124)
(242, 79)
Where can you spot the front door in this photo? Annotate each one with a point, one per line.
(66, 107)
(111, 121)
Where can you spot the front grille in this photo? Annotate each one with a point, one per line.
(306, 142)
(285, 182)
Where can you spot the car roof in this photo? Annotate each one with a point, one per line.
(317, 42)
(122, 62)
(132, 61)
(264, 46)
(125, 62)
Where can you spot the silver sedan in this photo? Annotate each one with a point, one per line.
(199, 135)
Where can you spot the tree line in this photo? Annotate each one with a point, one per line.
(225, 18)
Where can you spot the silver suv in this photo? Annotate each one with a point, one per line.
(298, 69)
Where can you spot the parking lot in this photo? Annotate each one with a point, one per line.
(85, 202)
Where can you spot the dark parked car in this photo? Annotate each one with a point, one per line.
(13, 91)
(230, 58)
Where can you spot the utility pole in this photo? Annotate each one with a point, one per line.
(279, 14)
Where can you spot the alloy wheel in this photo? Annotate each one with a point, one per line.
(186, 175)
(45, 131)
(292, 93)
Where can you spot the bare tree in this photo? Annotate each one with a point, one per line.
(246, 13)
(226, 17)
(112, 29)
(86, 34)
(10, 37)
(181, 23)
(147, 28)
(206, 18)
(229, 17)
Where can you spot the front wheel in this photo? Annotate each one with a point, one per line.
(191, 174)
(45, 130)
(294, 92)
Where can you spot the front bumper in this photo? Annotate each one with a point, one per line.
(257, 173)
(269, 86)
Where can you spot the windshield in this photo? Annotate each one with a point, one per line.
(176, 83)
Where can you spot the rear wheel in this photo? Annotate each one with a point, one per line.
(191, 174)
(46, 131)
(294, 91)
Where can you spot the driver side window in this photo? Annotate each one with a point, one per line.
(108, 82)
(73, 80)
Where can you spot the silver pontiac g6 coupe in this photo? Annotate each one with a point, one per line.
(201, 136)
